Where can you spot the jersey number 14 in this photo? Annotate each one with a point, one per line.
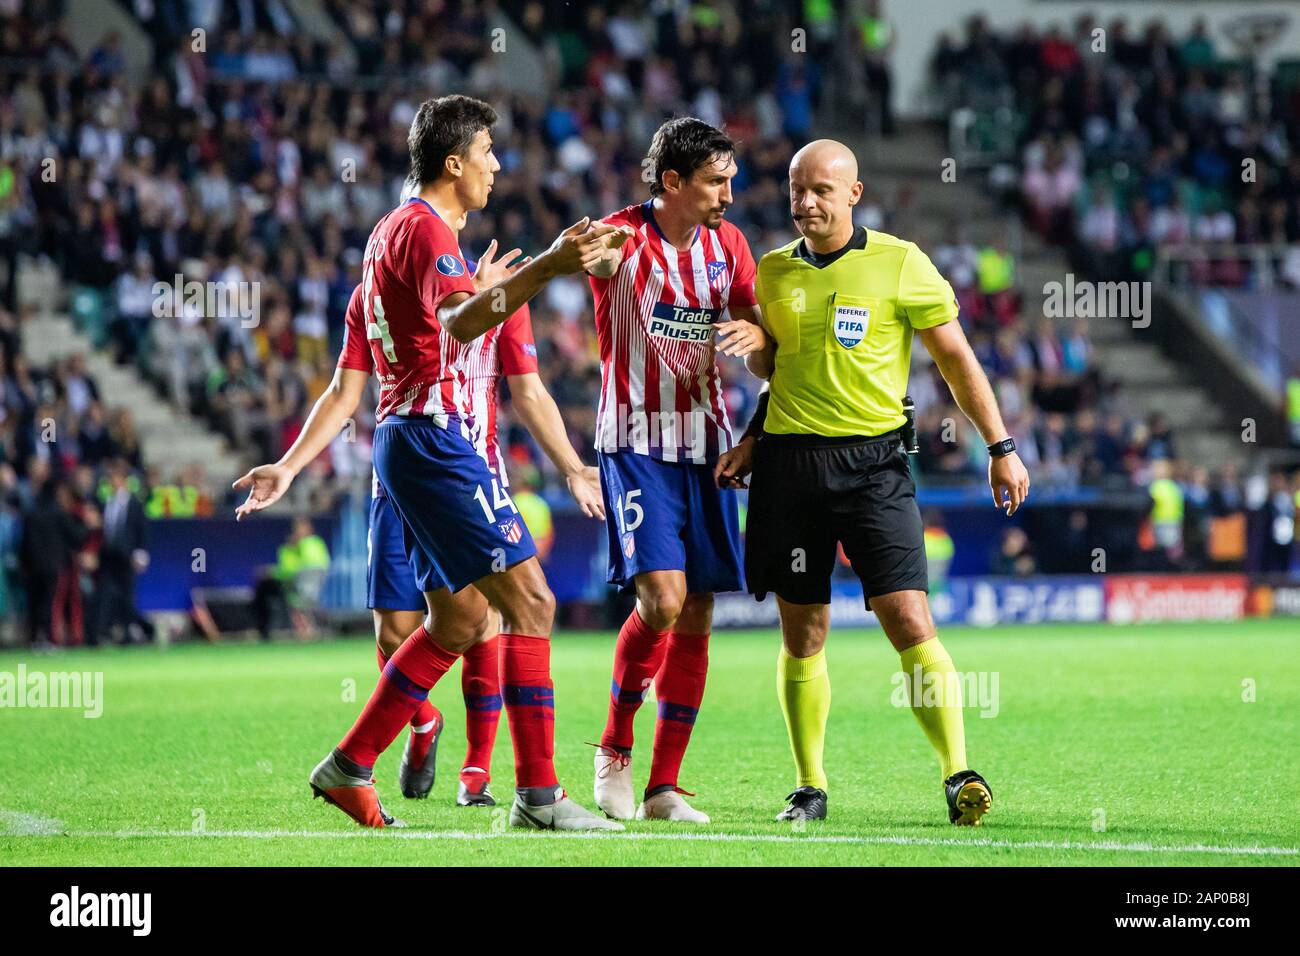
(500, 499)
(376, 323)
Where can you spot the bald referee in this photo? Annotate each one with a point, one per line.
(840, 306)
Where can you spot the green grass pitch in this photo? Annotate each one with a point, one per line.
(1111, 745)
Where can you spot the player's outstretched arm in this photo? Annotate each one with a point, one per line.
(466, 317)
(266, 484)
(612, 255)
(541, 416)
(946, 343)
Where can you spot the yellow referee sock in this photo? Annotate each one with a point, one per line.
(804, 689)
(936, 702)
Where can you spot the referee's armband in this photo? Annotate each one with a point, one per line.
(755, 427)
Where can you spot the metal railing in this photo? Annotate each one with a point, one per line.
(1261, 265)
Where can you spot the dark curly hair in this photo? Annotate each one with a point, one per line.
(684, 145)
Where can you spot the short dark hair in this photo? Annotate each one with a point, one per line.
(684, 145)
(441, 128)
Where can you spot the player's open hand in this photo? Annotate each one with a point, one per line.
(491, 271)
(266, 484)
(580, 245)
(620, 235)
(584, 485)
(734, 465)
(740, 338)
(604, 262)
(1009, 481)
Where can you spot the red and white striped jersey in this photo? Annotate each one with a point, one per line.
(507, 349)
(661, 394)
(412, 263)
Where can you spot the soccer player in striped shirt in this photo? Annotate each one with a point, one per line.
(394, 594)
(674, 535)
(421, 310)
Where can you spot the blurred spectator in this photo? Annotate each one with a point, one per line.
(939, 550)
(1015, 555)
(1168, 502)
(51, 536)
(1293, 407)
(534, 510)
(291, 587)
(135, 298)
(1279, 523)
(123, 555)
(877, 35)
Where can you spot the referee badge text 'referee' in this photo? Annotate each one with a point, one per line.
(851, 324)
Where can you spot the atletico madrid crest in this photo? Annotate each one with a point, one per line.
(511, 531)
(629, 545)
(717, 275)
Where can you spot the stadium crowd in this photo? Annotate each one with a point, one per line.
(1149, 141)
(255, 157)
(266, 159)
(1117, 145)
(72, 503)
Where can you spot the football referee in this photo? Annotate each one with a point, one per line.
(828, 465)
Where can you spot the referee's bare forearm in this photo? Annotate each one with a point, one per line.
(966, 379)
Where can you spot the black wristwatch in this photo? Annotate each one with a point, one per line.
(1002, 448)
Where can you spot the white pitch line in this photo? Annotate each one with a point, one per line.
(406, 834)
(28, 824)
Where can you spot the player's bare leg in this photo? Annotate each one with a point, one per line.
(527, 609)
(804, 691)
(415, 774)
(935, 694)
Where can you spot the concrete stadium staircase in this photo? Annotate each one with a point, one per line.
(171, 438)
(1149, 381)
(90, 20)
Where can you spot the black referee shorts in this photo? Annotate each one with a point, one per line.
(808, 492)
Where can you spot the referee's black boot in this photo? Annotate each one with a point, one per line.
(806, 803)
(969, 798)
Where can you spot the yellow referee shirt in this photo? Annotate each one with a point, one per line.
(843, 325)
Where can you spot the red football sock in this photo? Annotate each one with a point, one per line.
(403, 686)
(426, 713)
(530, 707)
(637, 657)
(680, 688)
(480, 682)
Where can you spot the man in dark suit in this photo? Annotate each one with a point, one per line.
(122, 556)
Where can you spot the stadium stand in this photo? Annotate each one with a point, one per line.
(255, 164)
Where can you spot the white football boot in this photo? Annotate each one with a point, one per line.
(669, 805)
(614, 784)
(563, 814)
